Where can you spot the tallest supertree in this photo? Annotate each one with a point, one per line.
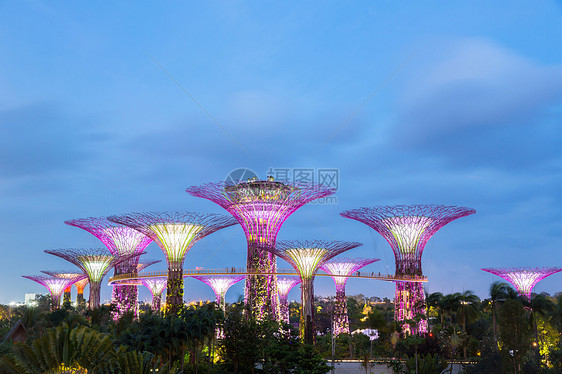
(407, 228)
(261, 207)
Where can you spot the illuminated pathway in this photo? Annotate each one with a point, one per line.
(136, 278)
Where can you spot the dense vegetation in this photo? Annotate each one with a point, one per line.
(501, 334)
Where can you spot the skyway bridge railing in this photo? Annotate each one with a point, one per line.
(137, 278)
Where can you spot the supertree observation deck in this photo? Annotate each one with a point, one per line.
(121, 241)
(306, 257)
(340, 270)
(156, 286)
(284, 286)
(66, 275)
(175, 233)
(261, 207)
(95, 262)
(56, 286)
(407, 228)
(220, 285)
(524, 279)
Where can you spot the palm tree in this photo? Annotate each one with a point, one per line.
(435, 300)
(466, 308)
(498, 292)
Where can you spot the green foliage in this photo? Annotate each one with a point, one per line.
(427, 364)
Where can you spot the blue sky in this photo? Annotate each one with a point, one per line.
(433, 102)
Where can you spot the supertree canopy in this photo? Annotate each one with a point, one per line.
(95, 262)
(175, 233)
(121, 241)
(261, 207)
(407, 228)
(340, 269)
(306, 257)
(156, 285)
(284, 286)
(524, 279)
(145, 263)
(67, 275)
(55, 285)
(220, 285)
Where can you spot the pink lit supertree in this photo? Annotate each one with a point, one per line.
(525, 278)
(156, 286)
(67, 275)
(95, 262)
(261, 207)
(284, 286)
(407, 228)
(306, 257)
(340, 269)
(121, 241)
(175, 233)
(220, 285)
(56, 286)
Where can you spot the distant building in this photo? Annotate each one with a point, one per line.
(31, 298)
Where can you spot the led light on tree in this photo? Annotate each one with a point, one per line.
(340, 270)
(524, 279)
(261, 207)
(156, 286)
(220, 285)
(284, 286)
(407, 228)
(56, 286)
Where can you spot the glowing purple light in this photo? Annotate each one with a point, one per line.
(284, 286)
(56, 286)
(156, 286)
(407, 228)
(340, 270)
(261, 208)
(524, 279)
(220, 285)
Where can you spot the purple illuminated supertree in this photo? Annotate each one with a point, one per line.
(523, 278)
(261, 207)
(95, 262)
(284, 286)
(121, 241)
(407, 228)
(156, 285)
(56, 286)
(175, 233)
(340, 269)
(220, 285)
(306, 257)
(67, 275)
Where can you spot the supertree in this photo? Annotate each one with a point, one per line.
(306, 257)
(284, 286)
(175, 233)
(56, 286)
(340, 269)
(525, 278)
(80, 285)
(220, 285)
(121, 241)
(95, 262)
(407, 228)
(66, 274)
(156, 286)
(261, 207)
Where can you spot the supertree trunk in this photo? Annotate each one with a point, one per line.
(66, 297)
(94, 301)
(341, 321)
(174, 293)
(125, 299)
(55, 302)
(156, 302)
(261, 290)
(409, 303)
(80, 301)
(284, 309)
(307, 315)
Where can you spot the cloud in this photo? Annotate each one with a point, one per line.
(38, 139)
(479, 102)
